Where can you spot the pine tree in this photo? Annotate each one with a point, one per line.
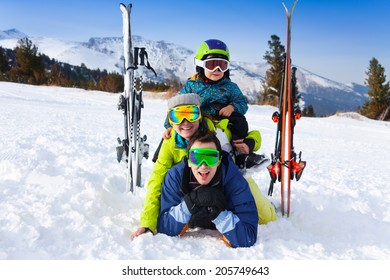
(56, 77)
(308, 111)
(113, 82)
(3, 64)
(378, 91)
(295, 91)
(274, 75)
(29, 66)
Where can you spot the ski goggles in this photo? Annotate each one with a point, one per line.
(212, 64)
(209, 156)
(177, 114)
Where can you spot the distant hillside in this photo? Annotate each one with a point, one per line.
(172, 61)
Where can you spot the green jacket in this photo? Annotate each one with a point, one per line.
(169, 155)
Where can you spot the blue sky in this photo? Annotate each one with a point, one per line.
(335, 39)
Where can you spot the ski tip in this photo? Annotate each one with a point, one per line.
(285, 8)
(124, 7)
(292, 9)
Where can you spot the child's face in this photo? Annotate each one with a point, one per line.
(214, 76)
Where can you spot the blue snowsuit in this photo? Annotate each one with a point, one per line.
(214, 96)
(238, 223)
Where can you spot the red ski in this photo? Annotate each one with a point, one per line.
(284, 166)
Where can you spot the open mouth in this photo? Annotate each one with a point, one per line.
(204, 174)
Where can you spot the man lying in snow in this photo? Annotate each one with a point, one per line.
(207, 190)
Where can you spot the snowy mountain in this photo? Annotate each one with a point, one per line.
(63, 192)
(11, 34)
(175, 62)
(328, 96)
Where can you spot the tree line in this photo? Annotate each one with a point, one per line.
(377, 107)
(24, 64)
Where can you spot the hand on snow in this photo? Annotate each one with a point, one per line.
(139, 231)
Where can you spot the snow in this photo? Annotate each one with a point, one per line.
(62, 189)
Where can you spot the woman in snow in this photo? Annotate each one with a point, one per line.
(206, 190)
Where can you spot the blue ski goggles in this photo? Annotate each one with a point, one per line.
(209, 156)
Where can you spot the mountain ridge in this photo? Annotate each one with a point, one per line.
(174, 62)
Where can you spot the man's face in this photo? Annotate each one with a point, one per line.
(203, 173)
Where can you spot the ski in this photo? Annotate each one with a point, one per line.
(133, 147)
(284, 166)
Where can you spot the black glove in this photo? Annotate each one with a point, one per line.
(211, 198)
(238, 126)
(215, 210)
(201, 219)
(190, 200)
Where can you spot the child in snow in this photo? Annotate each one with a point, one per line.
(221, 98)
